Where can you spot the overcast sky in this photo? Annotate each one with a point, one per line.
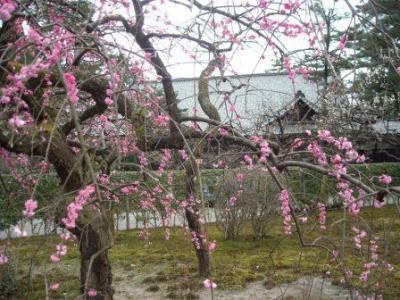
(176, 54)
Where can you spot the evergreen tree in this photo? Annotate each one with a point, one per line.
(376, 56)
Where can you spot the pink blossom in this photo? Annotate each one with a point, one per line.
(325, 135)
(360, 235)
(385, 179)
(6, 9)
(30, 207)
(212, 246)
(208, 284)
(262, 4)
(34, 36)
(3, 259)
(70, 85)
(16, 121)
(287, 6)
(195, 235)
(255, 139)
(5, 99)
(336, 159)
(342, 42)
(248, 160)
(322, 215)
(19, 232)
(317, 152)
(54, 258)
(183, 154)
(378, 204)
(388, 266)
(364, 276)
(285, 208)
(240, 177)
(264, 148)
(161, 120)
(92, 293)
(288, 64)
(349, 274)
(108, 101)
(75, 207)
(297, 143)
(222, 131)
(360, 159)
(54, 286)
(342, 143)
(143, 160)
(148, 56)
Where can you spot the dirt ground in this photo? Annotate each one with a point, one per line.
(312, 288)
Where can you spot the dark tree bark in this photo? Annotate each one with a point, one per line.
(193, 218)
(95, 239)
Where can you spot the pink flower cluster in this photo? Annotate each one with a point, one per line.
(317, 152)
(285, 207)
(54, 286)
(3, 259)
(16, 121)
(77, 205)
(265, 151)
(195, 239)
(143, 160)
(212, 246)
(297, 143)
(167, 156)
(92, 293)
(6, 9)
(322, 215)
(115, 79)
(70, 85)
(61, 250)
(222, 131)
(30, 207)
(208, 284)
(288, 65)
(183, 154)
(342, 42)
(248, 161)
(134, 187)
(162, 120)
(385, 179)
(232, 199)
(352, 203)
(292, 6)
(360, 235)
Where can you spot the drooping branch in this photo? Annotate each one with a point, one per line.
(204, 97)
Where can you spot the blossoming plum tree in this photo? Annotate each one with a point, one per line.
(76, 91)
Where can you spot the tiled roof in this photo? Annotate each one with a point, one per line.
(259, 95)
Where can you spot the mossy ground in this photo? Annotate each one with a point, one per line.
(275, 259)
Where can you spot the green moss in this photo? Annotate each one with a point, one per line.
(153, 288)
(276, 259)
(172, 295)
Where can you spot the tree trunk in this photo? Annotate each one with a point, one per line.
(193, 218)
(200, 246)
(95, 239)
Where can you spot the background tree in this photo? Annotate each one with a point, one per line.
(76, 92)
(374, 42)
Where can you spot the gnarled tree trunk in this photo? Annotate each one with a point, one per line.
(193, 218)
(95, 239)
(94, 229)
